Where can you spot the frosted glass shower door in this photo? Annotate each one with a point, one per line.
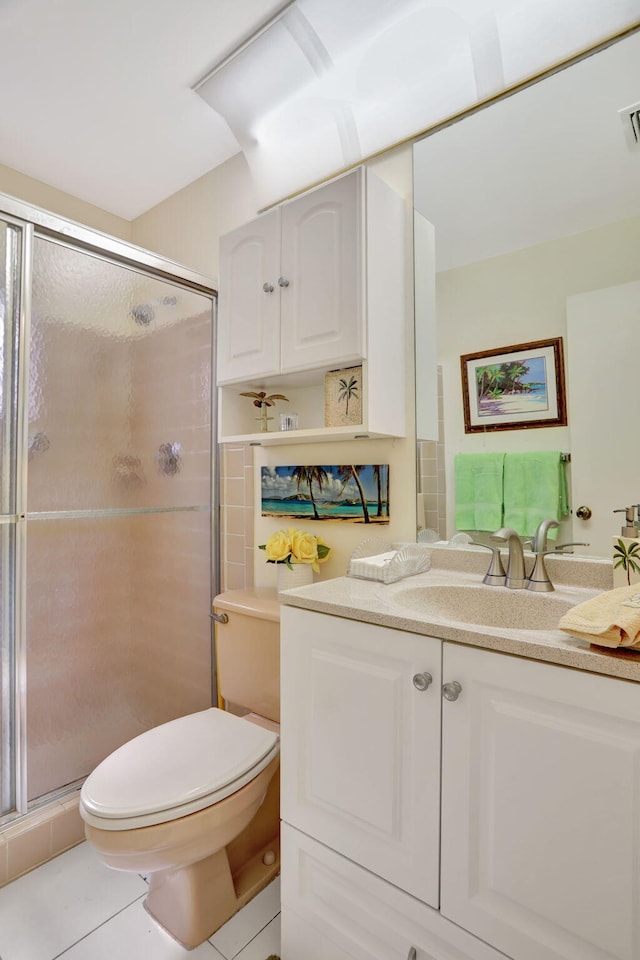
(119, 518)
(11, 260)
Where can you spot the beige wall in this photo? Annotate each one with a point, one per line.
(39, 194)
(186, 226)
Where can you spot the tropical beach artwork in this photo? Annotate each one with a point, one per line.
(514, 387)
(357, 494)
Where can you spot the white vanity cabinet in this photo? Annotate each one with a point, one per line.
(314, 285)
(541, 808)
(519, 838)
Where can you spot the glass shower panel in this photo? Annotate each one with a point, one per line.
(8, 719)
(120, 388)
(10, 272)
(11, 244)
(119, 635)
(118, 510)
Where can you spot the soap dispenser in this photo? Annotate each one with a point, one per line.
(632, 520)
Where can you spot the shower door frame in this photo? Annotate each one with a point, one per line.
(35, 222)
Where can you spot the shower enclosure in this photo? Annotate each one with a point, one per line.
(106, 491)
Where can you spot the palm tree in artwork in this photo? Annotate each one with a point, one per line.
(347, 473)
(380, 473)
(348, 389)
(308, 475)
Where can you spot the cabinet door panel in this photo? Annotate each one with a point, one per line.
(249, 317)
(335, 910)
(322, 260)
(360, 749)
(541, 808)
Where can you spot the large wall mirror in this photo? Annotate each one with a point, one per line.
(528, 229)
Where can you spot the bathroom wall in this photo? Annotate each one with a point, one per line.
(186, 227)
(516, 298)
(40, 194)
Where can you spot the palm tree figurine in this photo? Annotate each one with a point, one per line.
(263, 402)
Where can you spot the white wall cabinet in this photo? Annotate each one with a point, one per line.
(249, 301)
(315, 285)
(540, 801)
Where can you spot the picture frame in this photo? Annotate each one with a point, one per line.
(355, 494)
(518, 387)
(343, 397)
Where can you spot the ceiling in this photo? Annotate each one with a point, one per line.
(551, 161)
(96, 96)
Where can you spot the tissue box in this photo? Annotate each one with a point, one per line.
(626, 561)
(371, 568)
(388, 565)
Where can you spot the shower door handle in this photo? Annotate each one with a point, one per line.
(220, 617)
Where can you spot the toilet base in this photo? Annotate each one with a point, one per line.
(190, 904)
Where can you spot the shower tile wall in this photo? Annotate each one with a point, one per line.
(237, 514)
(432, 475)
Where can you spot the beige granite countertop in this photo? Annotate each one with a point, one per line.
(408, 605)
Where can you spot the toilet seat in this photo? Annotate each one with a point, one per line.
(176, 769)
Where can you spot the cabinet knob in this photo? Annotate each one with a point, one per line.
(452, 690)
(422, 681)
(267, 287)
(283, 282)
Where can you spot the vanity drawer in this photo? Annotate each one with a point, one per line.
(333, 909)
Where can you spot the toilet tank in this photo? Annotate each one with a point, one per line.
(248, 650)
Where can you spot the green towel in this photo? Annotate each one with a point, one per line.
(479, 491)
(535, 489)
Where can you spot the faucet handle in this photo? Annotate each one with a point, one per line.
(495, 575)
(561, 548)
(541, 534)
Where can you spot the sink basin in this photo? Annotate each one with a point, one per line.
(486, 606)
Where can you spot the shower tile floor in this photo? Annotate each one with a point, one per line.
(75, 908)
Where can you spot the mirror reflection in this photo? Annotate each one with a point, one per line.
(528, 230)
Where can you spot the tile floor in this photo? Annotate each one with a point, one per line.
(74, 908)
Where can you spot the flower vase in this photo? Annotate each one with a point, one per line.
(298, 575)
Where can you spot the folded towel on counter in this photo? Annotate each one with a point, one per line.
(479, 478)
(611, 619)
(535, 488)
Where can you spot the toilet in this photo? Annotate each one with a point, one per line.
(194, 804)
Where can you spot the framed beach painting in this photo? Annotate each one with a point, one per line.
(355, 494)
(514, 388)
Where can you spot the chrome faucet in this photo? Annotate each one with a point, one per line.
(515, 578)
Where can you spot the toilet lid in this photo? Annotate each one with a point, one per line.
(178, 764)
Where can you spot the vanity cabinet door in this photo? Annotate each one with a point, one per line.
(360, 753)
(541, 808)
(249, 301)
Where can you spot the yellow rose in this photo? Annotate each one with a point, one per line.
(278, 546)
(304, 548)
